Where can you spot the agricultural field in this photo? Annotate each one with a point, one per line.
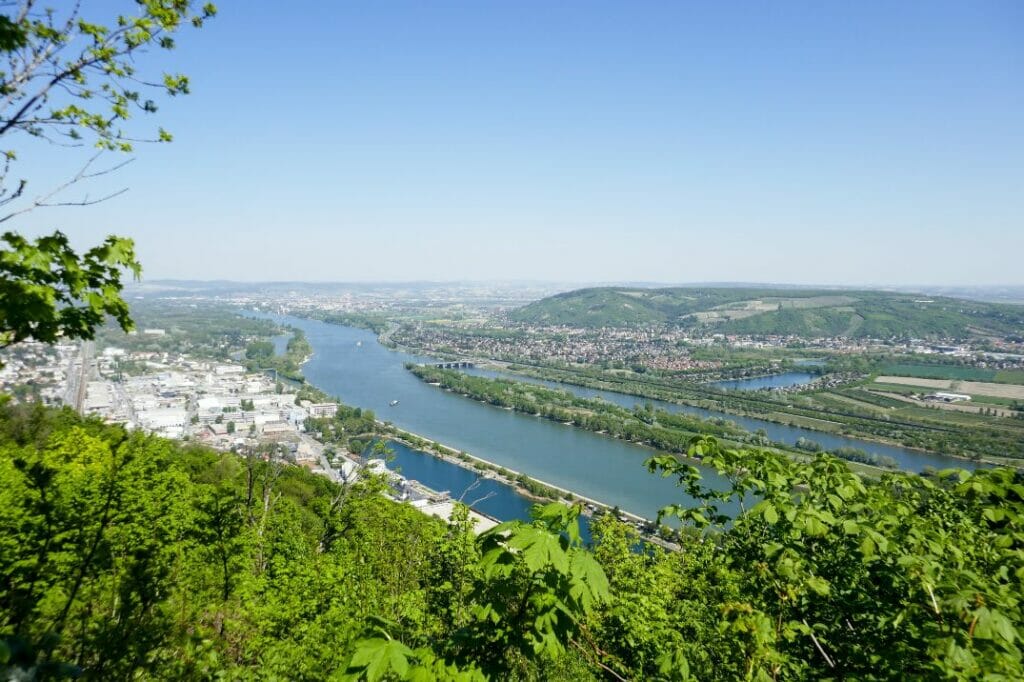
(977, 405)
(952, 372)
(894, 401)
(743, 309)
(1012, 391)
(939, 372)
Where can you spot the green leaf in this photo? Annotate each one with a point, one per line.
(539, 548)
(818, 585)
(589, 584)
(376, 657)
(814, 527)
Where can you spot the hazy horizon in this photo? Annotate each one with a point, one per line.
(594, 283)
(865, 145)
(1008, 293)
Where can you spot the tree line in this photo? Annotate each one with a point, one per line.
(656, 428)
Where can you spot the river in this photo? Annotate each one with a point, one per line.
(906, 458)
(281, 343)
(483, 494)
(352, 365)
(784, 380)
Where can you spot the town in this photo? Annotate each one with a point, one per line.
(213, 403)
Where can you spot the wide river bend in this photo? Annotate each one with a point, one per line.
(351, 364)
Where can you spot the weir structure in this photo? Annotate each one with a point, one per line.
(455, 364)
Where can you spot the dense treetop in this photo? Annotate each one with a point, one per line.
(125, 556)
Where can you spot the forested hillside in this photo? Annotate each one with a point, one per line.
(130, 557)
(802, 312)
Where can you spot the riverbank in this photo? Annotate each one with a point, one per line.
(666, 394)
(658, 429)
(527, 486)
(784, 429)
(352, 364)
(501, 473)
(912, 434)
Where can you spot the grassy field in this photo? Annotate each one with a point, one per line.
(965, 419)
(992, 400)
(807, 422)
(1010, 376)
(900, 388)
(939, 372)
(862, 400)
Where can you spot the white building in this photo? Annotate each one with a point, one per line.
(322, 409)
(939, 396)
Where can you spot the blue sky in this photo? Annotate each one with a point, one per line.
(804, 142)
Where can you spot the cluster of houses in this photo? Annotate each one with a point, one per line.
(37, 370)
(216, 403)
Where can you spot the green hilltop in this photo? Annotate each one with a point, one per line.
(804, 312)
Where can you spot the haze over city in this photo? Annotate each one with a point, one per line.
(867, 144)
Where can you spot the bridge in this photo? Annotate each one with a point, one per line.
(455, 364)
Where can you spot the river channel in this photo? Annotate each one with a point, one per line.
(351, 364)
(907, 459)
(784, 380)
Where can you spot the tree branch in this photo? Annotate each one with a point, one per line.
(81, 175)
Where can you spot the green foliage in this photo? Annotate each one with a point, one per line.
(68, 78)
(535, 586)
(126, 556)
(47, 291)
(259, 350)
(85, 520)
(875, 581)
(375, 322)
(260, 356)
(538, 585)
(207, 331)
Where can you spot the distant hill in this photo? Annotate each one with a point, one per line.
(806, 312)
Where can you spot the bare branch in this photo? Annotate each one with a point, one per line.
(17, 193)
(83, 174)
(818, 646)
(595, 660)
(84, 202)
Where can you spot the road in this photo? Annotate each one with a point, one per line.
(318, 448)
(78, 377)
